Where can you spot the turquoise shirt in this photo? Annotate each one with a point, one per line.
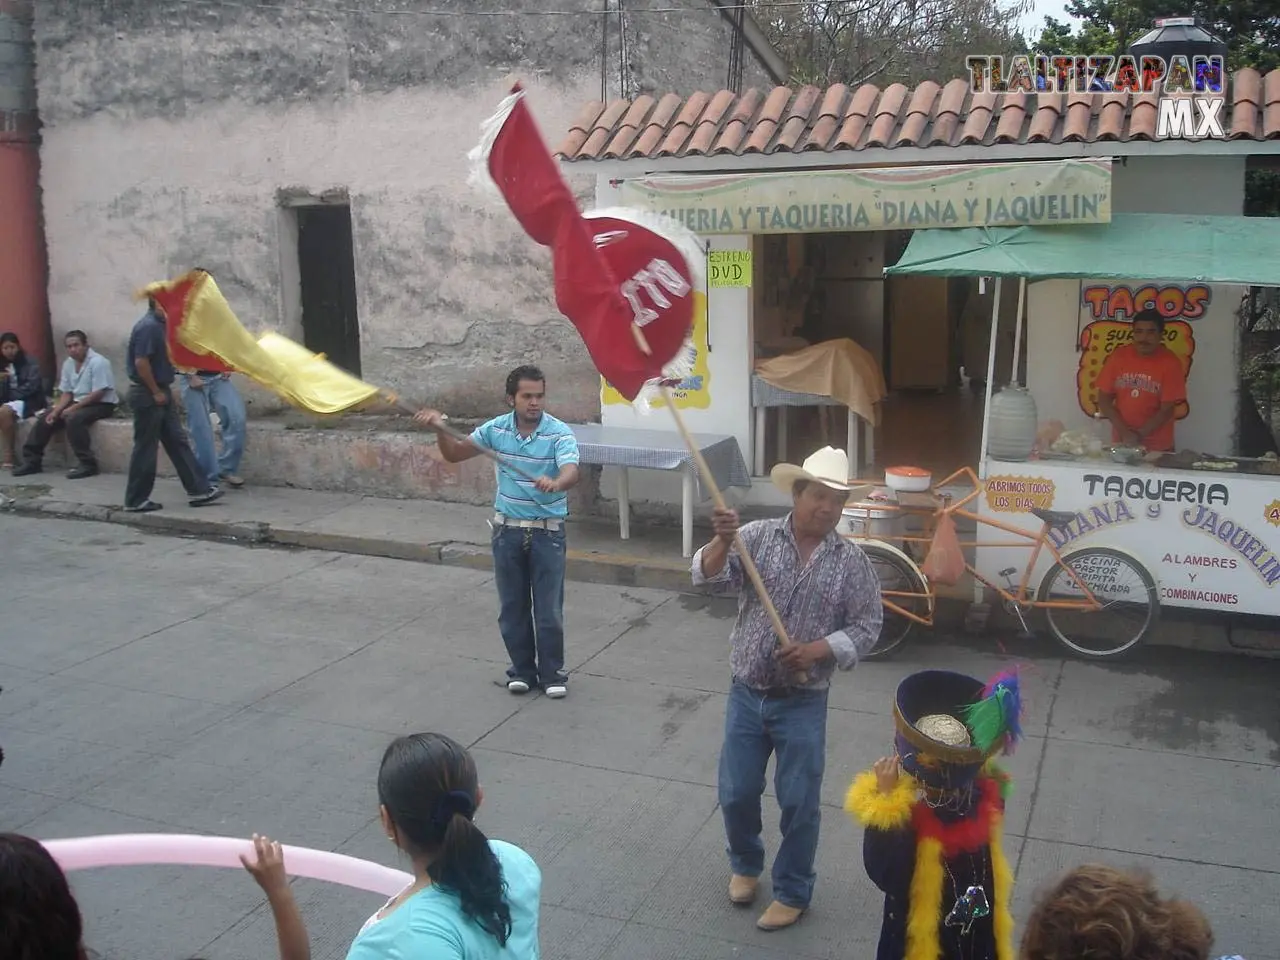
(431, 924)
(544, 452)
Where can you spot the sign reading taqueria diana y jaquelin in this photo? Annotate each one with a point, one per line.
(891, 198)
(1210, 540)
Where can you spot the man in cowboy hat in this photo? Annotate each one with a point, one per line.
(828, 597)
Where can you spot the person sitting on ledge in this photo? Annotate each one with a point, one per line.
(87, 394)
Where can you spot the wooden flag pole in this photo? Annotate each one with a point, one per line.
(748, 564)
(463, 438)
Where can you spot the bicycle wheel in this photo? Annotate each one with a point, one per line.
(898, 576)
(1127, 592)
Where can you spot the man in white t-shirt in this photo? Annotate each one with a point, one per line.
(87, 393)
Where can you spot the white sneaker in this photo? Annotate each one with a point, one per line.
(517, 686)
(557, 691)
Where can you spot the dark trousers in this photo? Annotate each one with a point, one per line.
(528, 567)
(77, 426)
(157, 426)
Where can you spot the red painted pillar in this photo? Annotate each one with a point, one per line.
(24, 303)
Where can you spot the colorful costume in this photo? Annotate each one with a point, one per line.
(932, 844)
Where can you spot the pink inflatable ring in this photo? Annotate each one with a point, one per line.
(178, 849)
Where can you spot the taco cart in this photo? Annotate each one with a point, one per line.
(1201, 519)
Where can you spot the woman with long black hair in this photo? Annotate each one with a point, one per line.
(21, 394)
(471, 898)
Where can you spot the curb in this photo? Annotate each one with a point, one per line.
(251, 532)
(582, 566)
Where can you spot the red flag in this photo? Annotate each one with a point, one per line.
(613, 268)
(173, 302)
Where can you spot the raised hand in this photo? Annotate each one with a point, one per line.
(268, 866)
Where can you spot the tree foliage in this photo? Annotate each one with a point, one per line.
(1250, 28)
(886, 41)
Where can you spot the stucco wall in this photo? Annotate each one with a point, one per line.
(170, 128)
(1196, 186)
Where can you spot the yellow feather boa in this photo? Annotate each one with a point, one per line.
(1002, 881)
(881, 811)
(892, 811)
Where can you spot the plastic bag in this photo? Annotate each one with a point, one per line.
(945, 561)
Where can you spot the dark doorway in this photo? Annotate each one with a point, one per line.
(326, 263)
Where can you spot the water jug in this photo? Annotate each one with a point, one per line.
(1012, 434)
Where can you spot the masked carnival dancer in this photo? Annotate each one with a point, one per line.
(933, 816)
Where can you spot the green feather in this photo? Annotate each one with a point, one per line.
(986, 720)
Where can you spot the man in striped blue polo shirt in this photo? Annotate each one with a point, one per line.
(528, 526)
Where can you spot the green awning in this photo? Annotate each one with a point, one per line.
(1133, 246)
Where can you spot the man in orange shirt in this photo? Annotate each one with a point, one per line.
(1141, 385)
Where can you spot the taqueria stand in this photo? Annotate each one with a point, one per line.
(1204, 521)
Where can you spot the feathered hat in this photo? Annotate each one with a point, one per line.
(948, 725)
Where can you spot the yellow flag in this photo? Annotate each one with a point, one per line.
(313, 381)
(205, 324)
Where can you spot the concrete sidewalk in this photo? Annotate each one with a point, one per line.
(428, 531)
(457, 535)
(168, 685)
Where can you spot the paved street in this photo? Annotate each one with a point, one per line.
(155, 684)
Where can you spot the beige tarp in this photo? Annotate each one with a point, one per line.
(839, 369)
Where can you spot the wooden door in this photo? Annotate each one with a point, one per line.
(920, 333)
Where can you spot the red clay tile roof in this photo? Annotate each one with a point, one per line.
(839, 119)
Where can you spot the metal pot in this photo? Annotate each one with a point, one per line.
(874, 520)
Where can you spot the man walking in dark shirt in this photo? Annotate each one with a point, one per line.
(155, 423)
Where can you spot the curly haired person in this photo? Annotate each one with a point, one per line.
(1105, 913)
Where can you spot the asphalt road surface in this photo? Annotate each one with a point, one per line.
(166, 685)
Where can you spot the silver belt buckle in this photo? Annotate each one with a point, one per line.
(550, 523)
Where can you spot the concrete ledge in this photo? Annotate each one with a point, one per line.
(372, 462)
(361, 456)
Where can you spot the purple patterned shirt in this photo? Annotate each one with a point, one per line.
(836, 596)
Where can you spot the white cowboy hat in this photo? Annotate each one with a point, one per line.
(829, 467)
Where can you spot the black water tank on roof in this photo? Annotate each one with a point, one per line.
(1178, 35)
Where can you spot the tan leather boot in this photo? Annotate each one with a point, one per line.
(778, 915)
(742, 890)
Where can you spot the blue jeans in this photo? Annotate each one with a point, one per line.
(528, 566)
(796, 728)
(221, 397)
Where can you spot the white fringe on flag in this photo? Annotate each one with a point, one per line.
(478, 156)
(685, 240)
(690, 247)
(681, 366)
